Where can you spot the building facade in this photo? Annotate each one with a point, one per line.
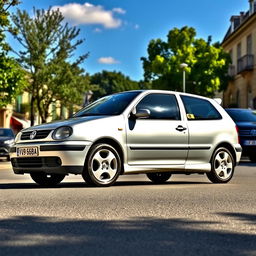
(240, 42)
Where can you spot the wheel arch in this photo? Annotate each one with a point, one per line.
(227, 146)
(114, 144)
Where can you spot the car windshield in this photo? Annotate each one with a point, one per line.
(245, 115)
(110, 105)
(6, 133)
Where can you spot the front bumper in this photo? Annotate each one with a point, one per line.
(4, 150)
(53, 157)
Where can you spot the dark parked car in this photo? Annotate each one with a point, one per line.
(6, 141)
(245, 120)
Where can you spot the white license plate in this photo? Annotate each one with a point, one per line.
(250, 142)
(27, 151)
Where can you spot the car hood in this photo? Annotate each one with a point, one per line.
(6, 138)
(68, 122)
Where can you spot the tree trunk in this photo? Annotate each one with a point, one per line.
(32, 110)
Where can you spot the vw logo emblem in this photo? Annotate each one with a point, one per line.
(32, 135)
(253, 132)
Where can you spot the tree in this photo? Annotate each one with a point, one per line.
(107, 82)
(207, 63)
(48, 47)
(11, 75)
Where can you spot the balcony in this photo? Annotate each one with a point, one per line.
(245, 63)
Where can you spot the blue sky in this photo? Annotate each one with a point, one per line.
(117, 32)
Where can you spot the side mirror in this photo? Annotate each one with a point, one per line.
(142, 113)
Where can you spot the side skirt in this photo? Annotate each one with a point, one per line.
(193, 168)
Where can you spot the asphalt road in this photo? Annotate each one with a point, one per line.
(186, 216)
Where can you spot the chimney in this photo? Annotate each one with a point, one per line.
(252, 4)
(241, 17)
(235, 22)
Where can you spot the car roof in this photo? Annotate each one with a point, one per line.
(168, 91)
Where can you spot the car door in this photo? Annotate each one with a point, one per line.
(162, 137)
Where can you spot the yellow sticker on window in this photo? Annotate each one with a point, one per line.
(190, 116)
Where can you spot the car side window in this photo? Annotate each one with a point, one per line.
(161, 106)
(199, 109)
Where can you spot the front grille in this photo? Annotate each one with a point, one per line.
(40, 134)
(36, 162)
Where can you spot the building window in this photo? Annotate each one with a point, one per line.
(249, 97)
(251, 6)
(231, 55)
(249, 44)
(238, 51)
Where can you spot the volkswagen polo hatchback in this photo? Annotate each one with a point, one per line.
(158, 133)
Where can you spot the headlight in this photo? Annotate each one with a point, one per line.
(17, 137)
(62, 133)
(9, 141)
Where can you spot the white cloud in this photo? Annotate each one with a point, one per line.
(90, 14)
(136, 26)
(97, 30)
(119, 10)
(108, 60)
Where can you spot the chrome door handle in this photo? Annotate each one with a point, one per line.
(180, 128)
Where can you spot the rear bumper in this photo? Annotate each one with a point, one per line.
(247, 150)
(238, 151)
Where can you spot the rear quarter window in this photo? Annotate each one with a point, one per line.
(199, 109)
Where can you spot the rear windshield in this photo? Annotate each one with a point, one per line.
(245, 115)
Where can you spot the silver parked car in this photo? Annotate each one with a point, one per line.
(154, 132)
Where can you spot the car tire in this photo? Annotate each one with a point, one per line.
(159, 177)
(45, 179)
(222, 166)
(102, 166)
(8, 158)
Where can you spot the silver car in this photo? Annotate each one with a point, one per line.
(159, 133)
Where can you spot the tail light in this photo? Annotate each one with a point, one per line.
(237, 130)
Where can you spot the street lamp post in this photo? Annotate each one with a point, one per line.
(183, 66)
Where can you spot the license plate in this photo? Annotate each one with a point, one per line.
(27, 151)
(250, 142)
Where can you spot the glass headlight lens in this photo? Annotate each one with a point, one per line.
(17, 137)
(11, 141)
(62, 133)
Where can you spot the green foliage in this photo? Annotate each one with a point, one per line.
(207, 64)
(11, 80)
(4, 22)
(11, 75)
(48, 45)
(107, 82)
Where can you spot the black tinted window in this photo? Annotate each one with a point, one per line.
(199, 109)
(6, 133)
(161, 106)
